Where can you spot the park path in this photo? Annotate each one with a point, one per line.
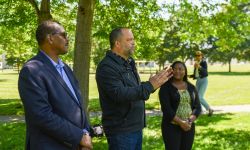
(218, 110)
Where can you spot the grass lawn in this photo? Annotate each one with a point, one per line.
(220, 132)
(224, 89)
(12, 136)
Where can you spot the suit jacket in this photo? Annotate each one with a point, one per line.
(54, 118)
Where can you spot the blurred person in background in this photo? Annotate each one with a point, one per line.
(200, 74)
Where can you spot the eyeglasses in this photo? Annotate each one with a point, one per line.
(63, 34)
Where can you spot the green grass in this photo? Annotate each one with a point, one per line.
(220, 132)
(8, 82)
(12, 136)
(11, 107)
(224, 88)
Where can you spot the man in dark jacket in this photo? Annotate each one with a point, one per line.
(54, 115)
(122, 94)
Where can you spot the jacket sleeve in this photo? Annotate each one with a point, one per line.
(38, 109)
(111, 83)
(203, 68)
(165, 100)
(196, 104)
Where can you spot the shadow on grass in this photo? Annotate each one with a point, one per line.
(3, 80)
(230, 73)
(12, 136)
(94, 104)
(229, 139)
(11, 107)
(153, 142)
(204, 120)
(206, 139)
(9, 73)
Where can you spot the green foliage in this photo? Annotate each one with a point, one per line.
(65, 13)
(16, 31)
(220, 30)
(184, 33)
(232, 28)
(159, 37)
(146, 25)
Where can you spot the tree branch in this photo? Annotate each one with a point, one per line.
(34, 4)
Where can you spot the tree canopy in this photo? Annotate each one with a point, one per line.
(163, 31)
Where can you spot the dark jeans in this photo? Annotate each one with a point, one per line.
(125, 141)
(177, 139)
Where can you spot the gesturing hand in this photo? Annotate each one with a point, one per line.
(161, 77)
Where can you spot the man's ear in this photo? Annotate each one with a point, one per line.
(50, 39)
(117, 43)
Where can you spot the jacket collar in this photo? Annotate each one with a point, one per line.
(120, 60)
(50, 67)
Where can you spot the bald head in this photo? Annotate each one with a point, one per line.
(115, 35)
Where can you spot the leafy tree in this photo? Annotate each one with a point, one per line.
(184, 32)
(15, 31)
(44, 12)
(146, 25)
(232, 29)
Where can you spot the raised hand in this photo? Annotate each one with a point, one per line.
(161, 77)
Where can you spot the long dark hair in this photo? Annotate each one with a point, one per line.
(185, 78)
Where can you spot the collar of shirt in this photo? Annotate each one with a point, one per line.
(59, 67)
(60, 64)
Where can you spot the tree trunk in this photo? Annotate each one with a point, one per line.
(229, 65)
(44, 12)
(83, 46)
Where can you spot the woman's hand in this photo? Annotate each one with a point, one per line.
(185, 125)
(192, 118)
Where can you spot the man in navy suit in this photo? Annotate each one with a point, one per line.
(55, 118)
